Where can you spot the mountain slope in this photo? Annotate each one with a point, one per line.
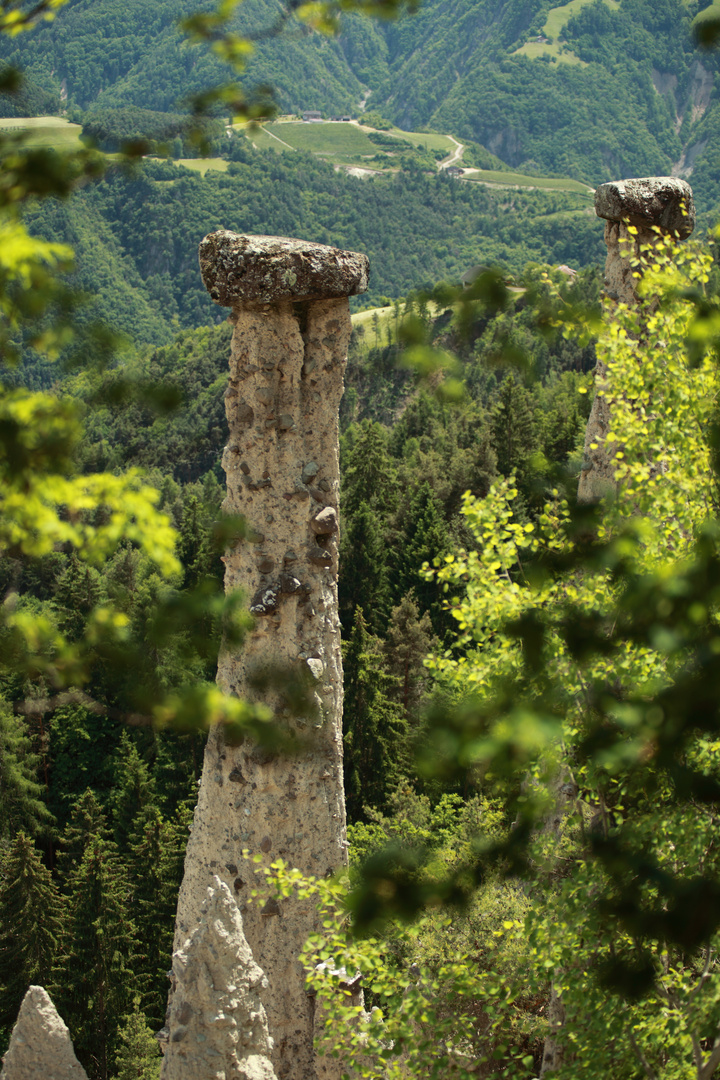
(594, 89)
(109, 53)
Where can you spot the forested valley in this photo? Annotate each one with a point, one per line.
(490, 628)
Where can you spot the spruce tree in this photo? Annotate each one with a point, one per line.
(155, 865)
(30, 925)
(410, 639)
(138, 1054)
(97, 978)
(424, 537)
(87, 823)
(363, 581)
(369, 473)
(81, 752)
(80, 588)
(195, 546)
(514, 428)
(374, 727)
(21, 804)
(133, 792)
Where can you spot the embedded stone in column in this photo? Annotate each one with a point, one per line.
(653, 208)
(292, 328)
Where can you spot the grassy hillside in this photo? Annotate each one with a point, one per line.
(547, 42)
(330, 139)
(352, 143)
(523, 180)
(55, 131)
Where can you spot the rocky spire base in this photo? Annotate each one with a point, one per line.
(40, 1045)
(217, 1025)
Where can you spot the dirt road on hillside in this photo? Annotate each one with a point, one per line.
(454, 157)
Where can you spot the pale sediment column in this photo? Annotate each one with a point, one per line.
(40, 1045)
(217, 1026)
(656, 206)
(289, 347)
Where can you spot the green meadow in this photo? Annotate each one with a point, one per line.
(202, 165)
(428, 139)
(337, 139)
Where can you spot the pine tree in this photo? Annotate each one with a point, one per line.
(21, 805)
(424, 537)
(374, 727)
(133, 793)
(195, 547)
(30, 925)
(81, 752)
(138, 1055)
(121, 577)
(80, 588)
(155, 867)
(369, 473)
(87, 822)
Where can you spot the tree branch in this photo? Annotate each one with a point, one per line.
(712, 1062)
(647, 1068)
(41, 706)
(704, 977)
(697, 1053)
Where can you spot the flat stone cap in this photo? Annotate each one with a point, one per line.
(665, 201)
(262, 269)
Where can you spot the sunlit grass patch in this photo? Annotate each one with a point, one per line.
(53, 131)
(515, 179)
(331, 139)
(557, 20)
(203, 165)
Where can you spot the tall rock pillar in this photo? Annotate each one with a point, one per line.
(290, 308)
(654, 207)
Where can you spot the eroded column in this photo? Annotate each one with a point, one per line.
(655, 207)
(292, 328)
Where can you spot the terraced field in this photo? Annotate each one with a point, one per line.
(329, 139)
(345, 144)
(430, 140)
(341, 141)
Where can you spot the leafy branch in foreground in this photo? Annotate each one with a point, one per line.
(18, 15)
(582, 692)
